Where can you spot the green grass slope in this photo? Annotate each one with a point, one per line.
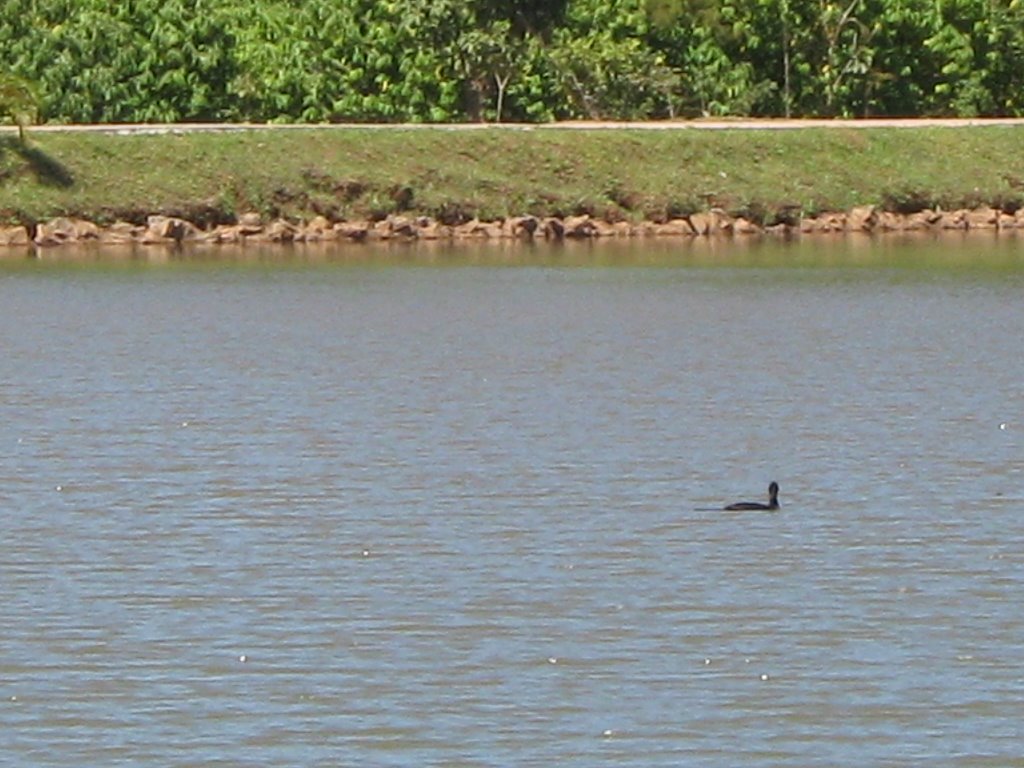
(621, 174)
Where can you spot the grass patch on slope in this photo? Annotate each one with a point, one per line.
(490, 173)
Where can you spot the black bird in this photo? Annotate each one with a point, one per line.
(773, 501)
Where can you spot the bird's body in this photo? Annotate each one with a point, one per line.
(773, 501)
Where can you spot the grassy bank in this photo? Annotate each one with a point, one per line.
(456, 175)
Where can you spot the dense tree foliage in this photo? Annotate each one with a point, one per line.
(527, 60)
(19, 102)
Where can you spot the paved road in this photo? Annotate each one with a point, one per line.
(678, 125)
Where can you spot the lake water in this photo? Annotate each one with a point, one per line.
(422, 508)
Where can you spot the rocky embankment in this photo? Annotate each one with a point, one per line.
(250, 227)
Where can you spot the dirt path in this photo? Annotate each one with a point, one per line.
(678, 125)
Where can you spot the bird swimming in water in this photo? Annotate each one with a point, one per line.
(773, 501)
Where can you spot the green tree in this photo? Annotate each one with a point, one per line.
(19, 102)
(691, 36)
(1003, 55)
(605, 67)
(450, 60)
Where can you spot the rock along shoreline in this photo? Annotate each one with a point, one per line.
(252, 228)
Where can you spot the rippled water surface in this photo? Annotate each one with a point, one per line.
(427, 509)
